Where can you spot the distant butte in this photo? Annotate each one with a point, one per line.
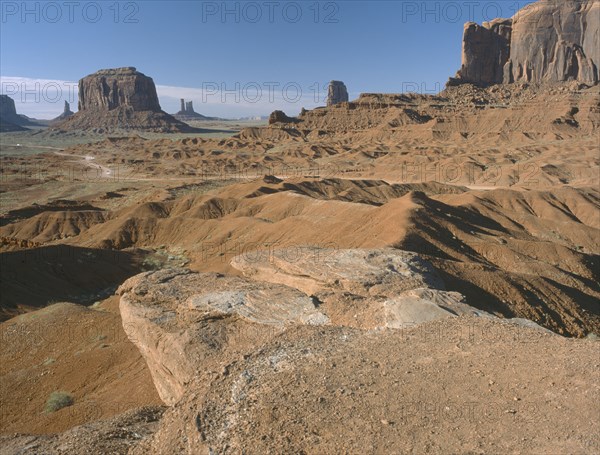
(187, 113)
(120, 99)
(67, 112)
(336, 93)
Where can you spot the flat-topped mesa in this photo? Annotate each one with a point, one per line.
(546, 41)
(109, 89)
(9, 119)
(117, 99)
(336, 93)
(7, 108)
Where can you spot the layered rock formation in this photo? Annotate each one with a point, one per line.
(336, 93)
(9, 119)
(110, 89)
(546, 41)
(268, 362)
(555, 41)
(121, 98)
(280, 117)
(486, 50)
(183, 321)
(231, 315)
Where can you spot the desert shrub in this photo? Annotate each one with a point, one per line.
(58, 400)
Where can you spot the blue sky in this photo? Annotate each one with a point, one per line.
(191, 48)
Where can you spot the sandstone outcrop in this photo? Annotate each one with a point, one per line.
(546, 41)
(121, 98)
(459, 113)
(280, 117)
(184, 322)
(7, 108)
(555, 41)
(486, 49)
(434, 388)
(267, 363)
(9, 119)
(336, 93)
(110, 89)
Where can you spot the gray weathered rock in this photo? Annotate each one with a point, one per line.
(186, 324)
(336, 93)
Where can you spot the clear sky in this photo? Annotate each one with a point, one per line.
(194, 49)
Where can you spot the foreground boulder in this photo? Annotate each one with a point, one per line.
(458, 385)
(121, 98)
(277, 361)
(185, 323)
(546, 41)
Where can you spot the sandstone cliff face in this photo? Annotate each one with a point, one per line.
(486, 50)
(120, 98)
(547, 41)
(337, 93)
(111, 88)
(555, 41)
(7, 107)
(9, 119)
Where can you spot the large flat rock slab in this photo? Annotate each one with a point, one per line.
(191, 325)
(364, 272)
(185, 323)
(458, 385)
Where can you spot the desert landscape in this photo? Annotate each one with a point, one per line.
(398, 273)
